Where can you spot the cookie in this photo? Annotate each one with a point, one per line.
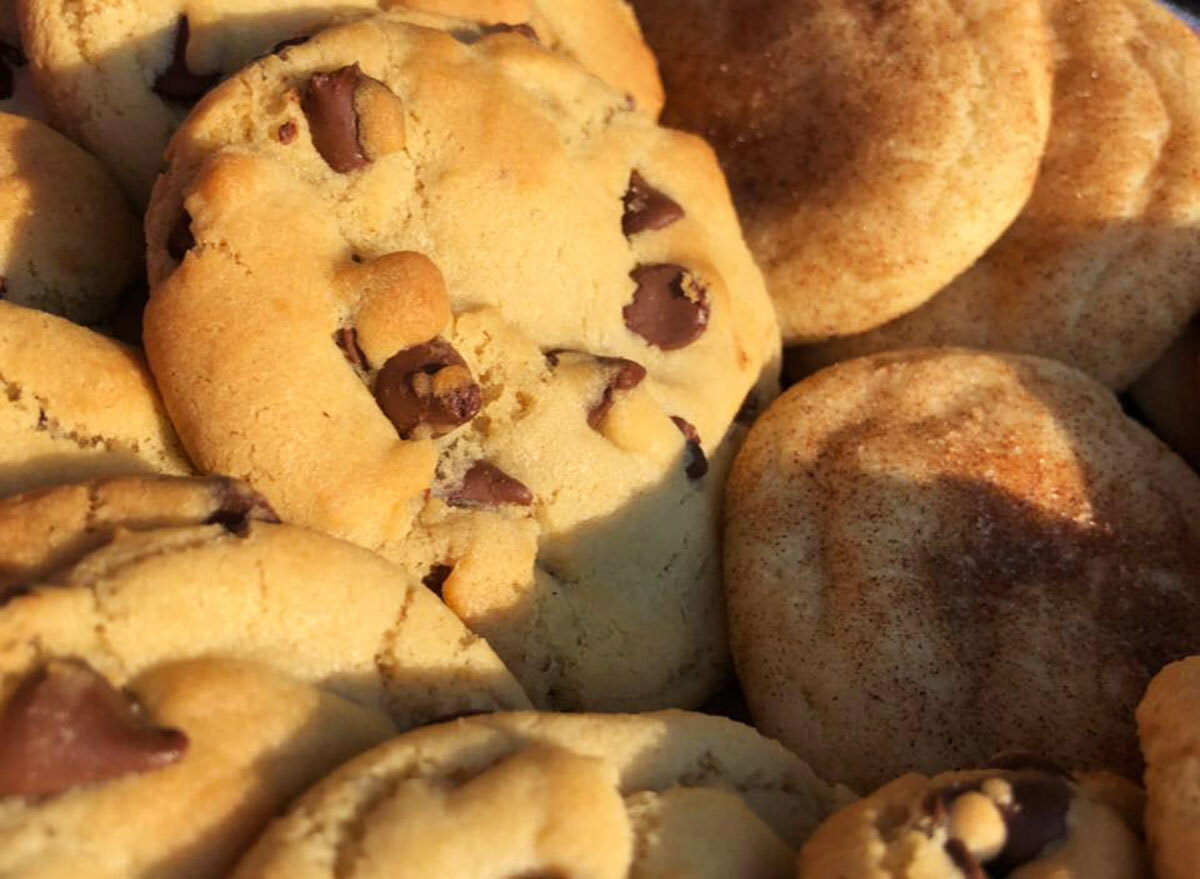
(260, 654)
(1102, 268)
(119, 77)
(518, 322)
(874, 150)
(651, 796)
(974, 824)
(70, 244)
(933, 556)
(76, 405)
(1169, 725)
(1168, 395)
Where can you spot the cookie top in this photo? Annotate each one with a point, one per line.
(973, 824)
(936, 555)
(119, 77)
(1169, 725)
(68, 242)
(502, 795)
(854, 137)
(518, 321)
(1168, 394)
(76, 405)
(1102, 268)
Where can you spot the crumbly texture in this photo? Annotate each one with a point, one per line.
(1169, 395)
(904, 831)
(875, 150)
(1102, 268)
(97, 64)
(68, 242)
(76, 405)
(496, 173)
(934, 556)
(1169, 725)
(572, 796)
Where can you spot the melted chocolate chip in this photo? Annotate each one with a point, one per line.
(962, 858)
(329, 105)
(347, 339)
(287, 132)
(427, 385)
(10, 57)
(486, 485)
(524, 30)
(697, 464)
(1036, 818)
(181, 240)
(65, 726)
(669, 307)
(177, 83)
(436, 578)
(238, 506)
(624, 375)
(647, 207)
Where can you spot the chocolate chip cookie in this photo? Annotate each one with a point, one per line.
(976, 824)
(649, 796)
(254, 656)
(502, 340)
(935, 555)
(119, 77)
(68, 242)
(874, 149)
(76, 405)
(1102, 268)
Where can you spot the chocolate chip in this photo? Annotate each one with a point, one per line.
(669, 307)
(523, 30)
(427, 385)
(238, 506)
(697, 464)
(436, 578)
(962, 858)
(624, 375)
(181, 240)
(1036, 818)
(65, 726)
(347, 339)
(486, 485)
(177, 83)
(287, 132)
(329, 105)
(647, 207)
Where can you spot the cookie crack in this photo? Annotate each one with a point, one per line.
(50, 425)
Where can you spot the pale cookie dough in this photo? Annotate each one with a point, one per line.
(455, 302)
(652, 796)
(1169, 395)
(932, 556)
(120, 76)
(76, 405)
(874, 149)
(1022, 824)
(1102, 268)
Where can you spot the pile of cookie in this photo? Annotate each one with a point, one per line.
(400, 496)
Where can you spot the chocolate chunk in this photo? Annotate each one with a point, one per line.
(177, 83)
(287, 132)
(964, 860)
(436, 578)
(181, 240)
(647, 207)
(65, 726)
(427, 385)
(669, 307)
(486, 485)
(524, 30)
(239, 505)
(624, 375)
(1036, 818)
(329, 105)
(347, 339)
(697, 464)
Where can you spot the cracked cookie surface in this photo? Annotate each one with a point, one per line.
(572, 796)
(119, 77)
(508, 325)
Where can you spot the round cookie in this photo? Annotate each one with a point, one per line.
(1102, 268)
(276, 652)
(1168, 394)
(76, 405)
(605, 796)
(1169, 725)
(518, 321)
(119, 77)
(1024, 823)
(874, 150)
(933, 556)
(70, 245)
